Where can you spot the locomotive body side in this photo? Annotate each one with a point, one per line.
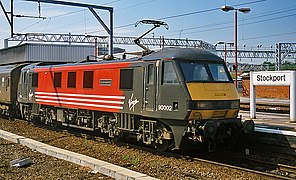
(160, 99)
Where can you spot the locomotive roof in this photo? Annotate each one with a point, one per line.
(183, 54)
(167, 53)
(6, 69)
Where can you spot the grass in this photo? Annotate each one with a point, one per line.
(133, 160)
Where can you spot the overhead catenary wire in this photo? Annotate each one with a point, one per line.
(164, 18)
(230, 26)
(182, 15)
(199, 12)
(192, 13)
(196, 12)
(186, 14)
(270, 35)
(78, 22)
(58, 16)
(273, 12)
(139, 4)
(50, 18)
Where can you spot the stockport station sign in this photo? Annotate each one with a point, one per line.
(273, 78)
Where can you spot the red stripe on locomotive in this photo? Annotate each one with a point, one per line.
(100, 97)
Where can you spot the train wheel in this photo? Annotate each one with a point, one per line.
(28, 116)
(116, 137)
(211, 144)
(36, 120)
(164, 146)
(56, 125)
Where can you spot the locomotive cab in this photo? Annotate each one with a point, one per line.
(196, 97)
(214, 101)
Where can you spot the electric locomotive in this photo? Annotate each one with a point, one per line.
(165, 99)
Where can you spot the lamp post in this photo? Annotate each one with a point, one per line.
(259, 46)
(243, 10)
(180, 33)
(225, 51)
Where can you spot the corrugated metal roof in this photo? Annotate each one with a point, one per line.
(45, 53)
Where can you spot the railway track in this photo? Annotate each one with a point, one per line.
(278, 167)
(272, 175)
(235, 159)
(223, 159)
(275, 108)
(232, 160)
(153, 164)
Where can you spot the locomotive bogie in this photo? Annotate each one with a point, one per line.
(25, 111)
(213, 128)
(4, 110)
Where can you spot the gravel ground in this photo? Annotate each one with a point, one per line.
(41, 166)
(45, 167)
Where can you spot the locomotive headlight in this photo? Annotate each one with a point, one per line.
(201, 105)
(204, 105)
(234, 104)
(214, 104)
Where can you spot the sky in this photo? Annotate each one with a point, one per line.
(269, 22)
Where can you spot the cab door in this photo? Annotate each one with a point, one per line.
(150, 87)
(7, 88)
(4, 93)
(23, 86)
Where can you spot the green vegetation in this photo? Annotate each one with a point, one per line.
(285, 66)
(133, 160)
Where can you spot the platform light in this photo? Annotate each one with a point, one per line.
(227, 8)
(243, 10)
(225, 51)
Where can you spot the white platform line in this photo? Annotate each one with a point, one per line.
(275, 131)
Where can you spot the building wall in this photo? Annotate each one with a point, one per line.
(280, 92)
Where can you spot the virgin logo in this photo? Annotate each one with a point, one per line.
(132, 102)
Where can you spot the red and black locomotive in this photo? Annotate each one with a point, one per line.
(165, 99)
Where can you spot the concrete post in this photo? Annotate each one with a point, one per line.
(5, 43)
(293, 97)
(252, 97)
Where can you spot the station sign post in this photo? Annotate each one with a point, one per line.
(273, 78)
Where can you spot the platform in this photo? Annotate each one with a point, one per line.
(271, 123)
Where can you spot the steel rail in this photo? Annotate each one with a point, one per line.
(264, 174)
